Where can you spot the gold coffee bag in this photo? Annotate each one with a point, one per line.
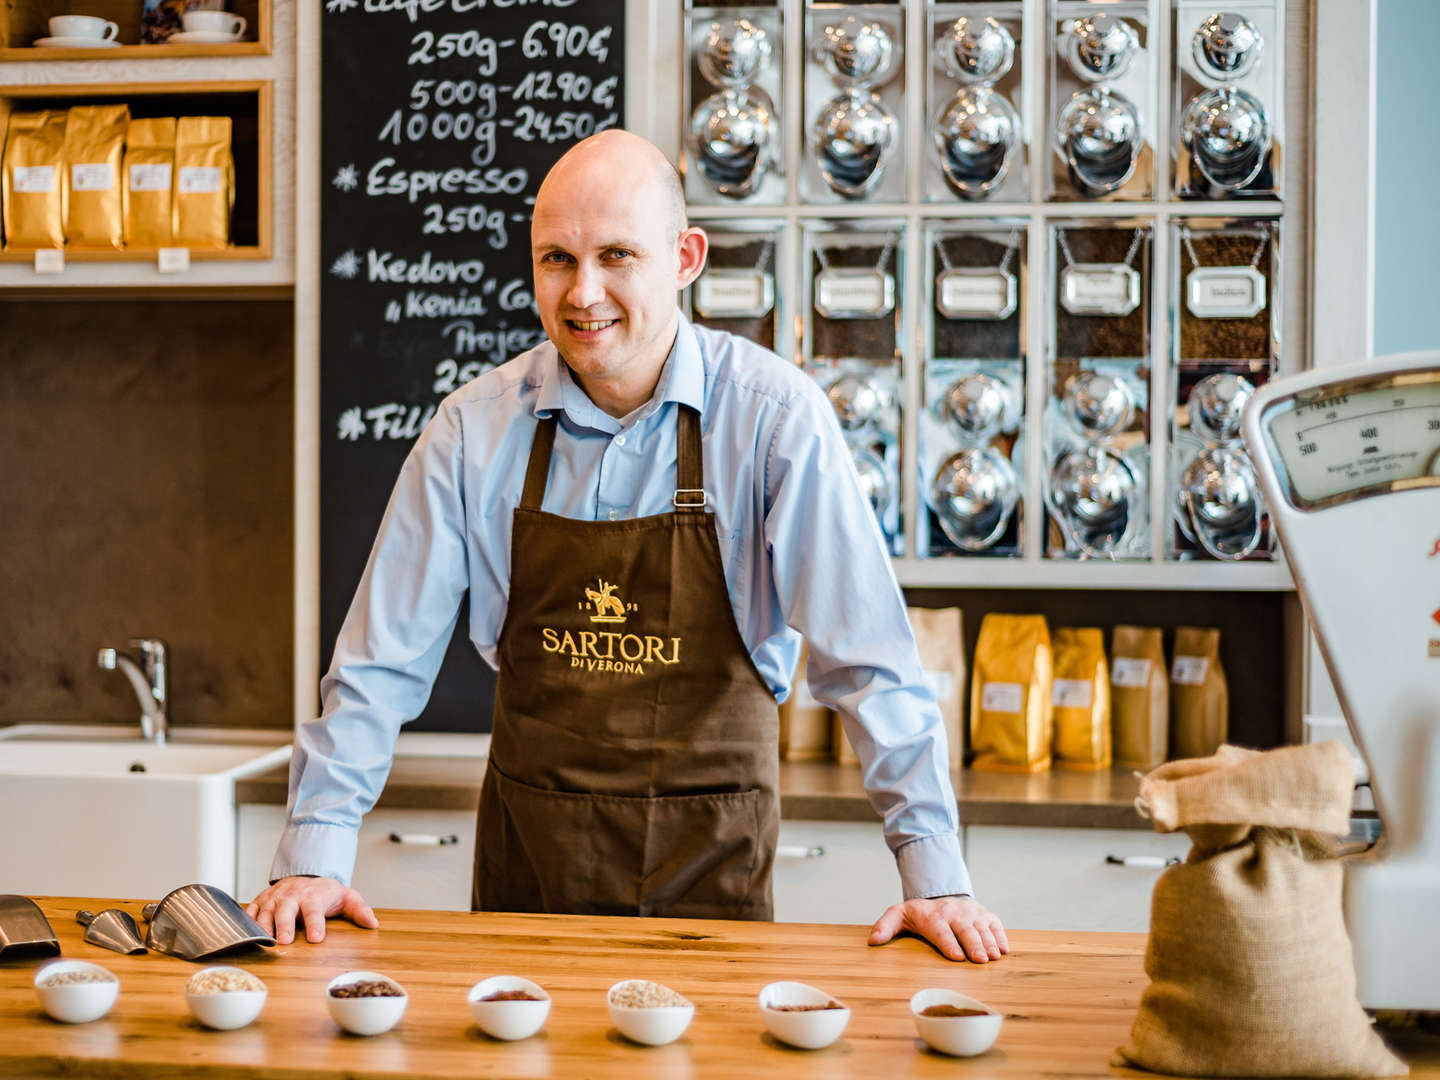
(148, 183)
(1139, 697)
(33, 206)
(204, 181)
(940, 641)
(1010, 695)
(804, 722)
(1081, 698)
(94, 150)
(1199, 695)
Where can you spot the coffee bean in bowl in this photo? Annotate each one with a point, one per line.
(647, 1012)
(509, 1007)
(953, 1023)
(76, 992)
(224, 997)
(802, 1015)
(365, 1002)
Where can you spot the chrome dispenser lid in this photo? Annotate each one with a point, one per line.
(1099, 130)
(853, 137)
(858, 402)
(857, 52)
(734, 52)
(976, 137)
(732, 135)
(1220, 496)
(976, 405)
(1227, 132)
(1091, 495)
(1098, 405)
(1215, 404)
(1101, 47)
(1227, 45)
(976, 50)
(974, 492)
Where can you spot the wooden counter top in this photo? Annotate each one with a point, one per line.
(812, 791)
(1069, 999)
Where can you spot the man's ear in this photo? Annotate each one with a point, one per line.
(692, 247)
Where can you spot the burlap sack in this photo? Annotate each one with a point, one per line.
(1250, 967)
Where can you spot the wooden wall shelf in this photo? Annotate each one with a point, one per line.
(30, 53)
(23, 21)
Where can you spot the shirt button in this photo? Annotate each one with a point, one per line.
(614, 515)
(620, 439)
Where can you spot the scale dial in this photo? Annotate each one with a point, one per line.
(1351, 440)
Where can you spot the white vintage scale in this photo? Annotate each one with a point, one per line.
(1349, 460)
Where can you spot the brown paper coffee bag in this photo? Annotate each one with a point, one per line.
(204, 182)
(1081, 699)
(149, 182)
(1139, 697)
(940, 641)
(804, 722)
(1199, 695)
(94, 150)
(1250, 966)
(1010, 695)
(34, 159)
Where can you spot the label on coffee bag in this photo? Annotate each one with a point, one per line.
(1130, 671)
(94, 176)
(1002, 697)
(1189, 670)
(34, 179)
(149, 177)
(941, 684)
(200, 179)
(1073, 693)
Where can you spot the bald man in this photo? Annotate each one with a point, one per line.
(648, 515)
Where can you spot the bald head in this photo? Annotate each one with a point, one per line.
(614, 158)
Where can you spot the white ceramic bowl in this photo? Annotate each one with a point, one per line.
(651, 1026)
(225, 1010)
(365, 1016)
(508, 1019)
(962, 1036)
(75, 1003)
(809, 1030)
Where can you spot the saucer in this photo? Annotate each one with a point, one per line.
(201, 37)
(75, 43)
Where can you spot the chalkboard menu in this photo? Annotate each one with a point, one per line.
(439, 119)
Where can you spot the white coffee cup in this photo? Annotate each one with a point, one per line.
(83, 26)
(213, 22)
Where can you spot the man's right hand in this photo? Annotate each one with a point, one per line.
(313, 899)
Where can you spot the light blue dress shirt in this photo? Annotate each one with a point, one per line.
(800, 546)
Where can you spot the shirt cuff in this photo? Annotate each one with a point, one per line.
(318, 850)
(933, 866)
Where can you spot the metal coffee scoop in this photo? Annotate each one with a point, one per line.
(24, 930)
(194, 922)
(111, 929)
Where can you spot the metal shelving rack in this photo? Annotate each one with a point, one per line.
(1032, 569)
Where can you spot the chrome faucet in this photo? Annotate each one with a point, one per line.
(150, 679)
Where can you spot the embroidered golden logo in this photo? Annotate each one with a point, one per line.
(609, 650)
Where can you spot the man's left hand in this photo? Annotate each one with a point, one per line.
(956, 925)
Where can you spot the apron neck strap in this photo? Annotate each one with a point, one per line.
(689, 463)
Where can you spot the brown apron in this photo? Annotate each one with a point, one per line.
(633, 766)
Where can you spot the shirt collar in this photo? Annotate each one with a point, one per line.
(682, 380)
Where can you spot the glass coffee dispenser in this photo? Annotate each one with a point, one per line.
(851, 347)
(736, 290)
(971, 453)
(1226, 345)
(1096, 425)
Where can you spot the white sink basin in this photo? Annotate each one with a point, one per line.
(108, 816)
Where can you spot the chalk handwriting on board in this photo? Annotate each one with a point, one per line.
(439, 118)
